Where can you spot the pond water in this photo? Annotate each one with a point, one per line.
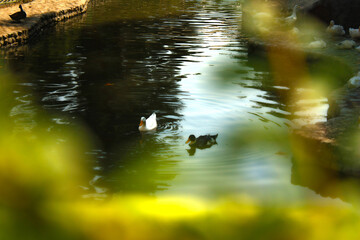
(188, 62)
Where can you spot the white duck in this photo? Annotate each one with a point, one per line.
(354, 82)
(335, 29)
(292, 18)
(319, 43)
(354, 32)
(346, 44)
(148, 124)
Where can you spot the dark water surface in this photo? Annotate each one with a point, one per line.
(185, 60)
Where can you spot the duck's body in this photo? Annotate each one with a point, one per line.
(335, 29)
(149, 124)
(354, 33)
(203, 141)
(346, 44)
(18, 15)
(317, 44)
(354, 82)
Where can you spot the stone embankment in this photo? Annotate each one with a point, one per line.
(40, 14)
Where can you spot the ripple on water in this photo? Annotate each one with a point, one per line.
(192, 68)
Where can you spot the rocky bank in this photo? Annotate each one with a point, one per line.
(335, 143)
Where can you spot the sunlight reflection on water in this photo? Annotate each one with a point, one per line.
(191, 67)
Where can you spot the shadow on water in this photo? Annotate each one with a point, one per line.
(106, 76)
(325, 181)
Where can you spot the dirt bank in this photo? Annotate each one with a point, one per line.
(40, 13)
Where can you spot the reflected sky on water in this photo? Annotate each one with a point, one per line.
(188, 62)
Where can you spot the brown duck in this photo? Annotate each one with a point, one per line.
(201, 142)
(18, 15)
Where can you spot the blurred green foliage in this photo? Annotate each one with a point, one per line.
(41, 197)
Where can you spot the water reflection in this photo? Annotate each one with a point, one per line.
(187, 62)
(325, 181)
(106, 75)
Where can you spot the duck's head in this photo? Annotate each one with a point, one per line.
(332, 23)
(191, 139)
(142, 122)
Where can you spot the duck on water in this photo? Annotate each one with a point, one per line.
(18, 15)
(201, 142)
(149, 124)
